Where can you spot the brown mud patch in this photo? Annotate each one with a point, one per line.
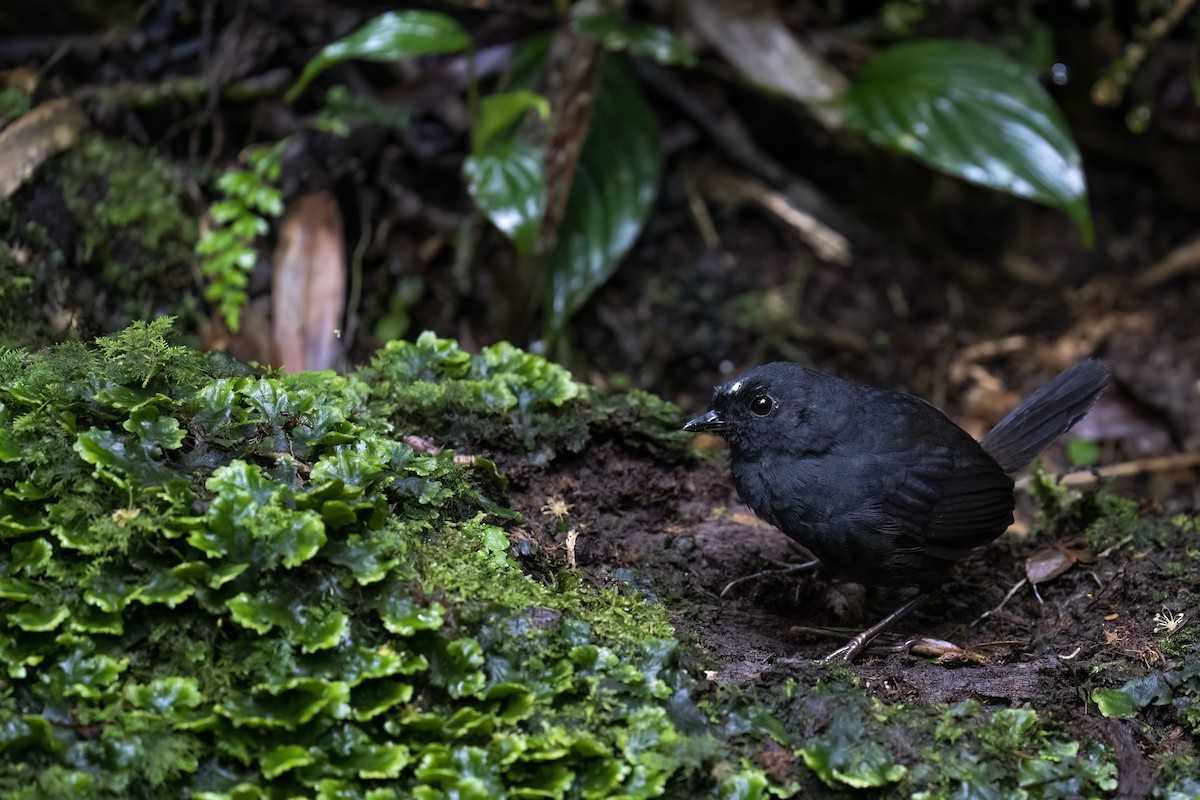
(679, 534)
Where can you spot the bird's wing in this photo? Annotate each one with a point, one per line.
(947, 495)
(949, 503)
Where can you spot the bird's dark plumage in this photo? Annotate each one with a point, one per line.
(881, 486)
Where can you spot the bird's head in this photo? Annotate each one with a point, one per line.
(760, 409)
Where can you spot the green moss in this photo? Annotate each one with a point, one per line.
(511, 400)
(945, 752)
(103, 218)
(1107, 520)
(126, 203)
(226, 585)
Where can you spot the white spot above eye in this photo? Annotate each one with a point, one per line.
(737, 387)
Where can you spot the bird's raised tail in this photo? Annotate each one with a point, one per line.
(1045, 415)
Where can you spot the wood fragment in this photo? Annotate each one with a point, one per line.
(828, 244)
(308, 291)
(41, 134)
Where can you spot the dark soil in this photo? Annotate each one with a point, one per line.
(680, 535)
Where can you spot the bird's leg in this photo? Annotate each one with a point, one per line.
(785, 569)
(849, 651)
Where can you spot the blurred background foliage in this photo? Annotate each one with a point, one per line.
(493, 167)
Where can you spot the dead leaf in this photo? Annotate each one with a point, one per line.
(1048, 564)
(44, 132)
(764, 50)
(308, 290)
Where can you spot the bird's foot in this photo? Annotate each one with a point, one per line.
(784, 569)
(849, 651)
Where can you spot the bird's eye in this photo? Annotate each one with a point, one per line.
(762, 405)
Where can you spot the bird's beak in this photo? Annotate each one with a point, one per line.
(712, 421)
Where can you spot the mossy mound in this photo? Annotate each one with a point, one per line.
(215, 585)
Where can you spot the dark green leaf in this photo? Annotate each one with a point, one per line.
(285, 758)
(611, 197)
(389, 37)
(40, 615)
(651, 41)
(113, 460)
(968, 110)
(9, 450)
(83, 675)
(508, 184)
(30, 556)
(156, 433)
(165, 695)
(292, 704)
(26, 732)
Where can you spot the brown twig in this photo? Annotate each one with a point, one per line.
(1141, 466)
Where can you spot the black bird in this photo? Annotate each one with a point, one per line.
(879, 485)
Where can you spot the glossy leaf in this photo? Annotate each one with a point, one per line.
(508, 184)
(402, 616)
(389, 37)
(166, 587)
(85, 675)
(17, 589)
(613, 192)
(116, 461)
(30, 556)
(156, 433)
(38, 616)
(499, 111)
(9, 450)
(284, 759)
(165, 696)
(28, 731)
(969, 110)
(373, 698)
(1115, 703)
(287, 706)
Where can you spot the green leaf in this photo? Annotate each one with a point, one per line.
(366, 559)
(38, 616)
(9, 450)
(508, 184)
(1082, 452)
(165, 696)
(372, 699)
(30, 556)
(312, 627)
(651, 41)
(389, 37)
(404, 617)
(289, 705)
(28, 731)
(969, 110)
(611, 197)
(870, 767)
(156, 433)
(87, 676)
(113, 460)
(285, 758)
(17, 589)
(499, 111)
(166, 587)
